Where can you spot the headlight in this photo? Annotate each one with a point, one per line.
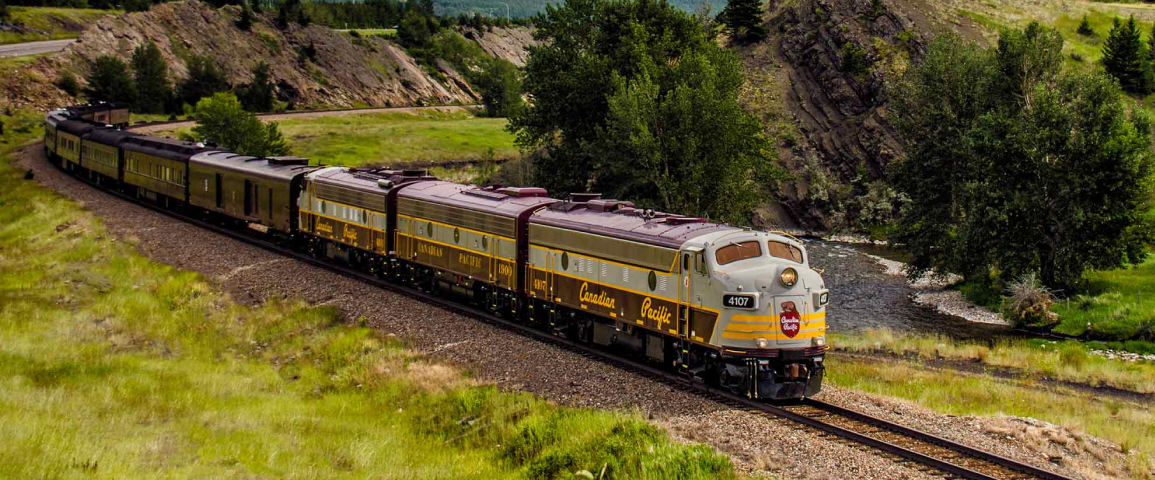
(818, 342)
(789, 277)
(761, 342)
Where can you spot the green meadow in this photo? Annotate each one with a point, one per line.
(387, 139)
(114, 366)
(49, 20)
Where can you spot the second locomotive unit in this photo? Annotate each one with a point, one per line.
(738, 308)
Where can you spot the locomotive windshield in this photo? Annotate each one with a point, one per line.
(784, 251)
(737, 251)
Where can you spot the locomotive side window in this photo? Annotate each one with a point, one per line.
(737, 251)
(784, 251)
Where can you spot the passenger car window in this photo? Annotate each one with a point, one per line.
(737, 251)
(784, 251)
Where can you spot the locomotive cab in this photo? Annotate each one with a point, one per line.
(771, 312)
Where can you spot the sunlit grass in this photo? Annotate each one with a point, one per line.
(1130, 426)
(394, 138)
(46, 19)
(114, 366)
(1067, 361)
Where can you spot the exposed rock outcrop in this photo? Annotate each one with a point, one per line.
(343, 72)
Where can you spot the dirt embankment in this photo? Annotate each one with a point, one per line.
(343, 71)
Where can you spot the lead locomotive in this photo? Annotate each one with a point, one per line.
(738, 308)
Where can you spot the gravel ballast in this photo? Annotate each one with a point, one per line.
(758, 445)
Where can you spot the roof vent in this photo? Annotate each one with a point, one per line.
(288, 160)
(583, 197)
(607, 205)
(684, 220)
(386, 184)
(524, 191)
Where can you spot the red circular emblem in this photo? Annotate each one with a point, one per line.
(790, 319)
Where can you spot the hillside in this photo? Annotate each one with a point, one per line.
(828, 111)
(344, 72)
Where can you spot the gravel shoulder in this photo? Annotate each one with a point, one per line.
(759, 446)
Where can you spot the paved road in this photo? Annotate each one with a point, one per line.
(33, 48)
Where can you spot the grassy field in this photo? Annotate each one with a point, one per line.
(368, 32)
(1130, 426)
(1067, 361)
(58, 23)
(113, 366)
(398, 138)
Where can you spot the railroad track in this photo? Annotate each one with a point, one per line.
(895, 441)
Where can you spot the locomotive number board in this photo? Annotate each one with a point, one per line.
(735, 300)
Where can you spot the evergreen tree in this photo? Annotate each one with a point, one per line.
(1085, 28)
(258, 95)
(303, 17)
(150, 74)
(1126, 58)
(246, 20)
(109, 80)
(877, 9)
(257, 8)
(743, 18)
(5, 15)
(204, 79)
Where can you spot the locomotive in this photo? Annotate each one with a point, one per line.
(738, 308)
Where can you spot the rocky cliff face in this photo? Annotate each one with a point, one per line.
(344, 71)
(828, 62)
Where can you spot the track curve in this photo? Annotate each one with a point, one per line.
(891, 439)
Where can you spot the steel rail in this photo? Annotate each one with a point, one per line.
(637, 366)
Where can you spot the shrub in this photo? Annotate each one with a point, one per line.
(68, 83)
(854, 60)
(1030, 302)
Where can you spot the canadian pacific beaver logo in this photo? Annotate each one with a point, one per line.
(790, 319)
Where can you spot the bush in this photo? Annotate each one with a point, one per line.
(222, 120)
(1030, 302)
(854, 60)
(68, 83)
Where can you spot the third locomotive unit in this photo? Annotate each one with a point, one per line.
(738, 308)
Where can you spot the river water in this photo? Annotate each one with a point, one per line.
(863, 296)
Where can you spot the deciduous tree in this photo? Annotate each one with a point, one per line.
(500, 86)
(632, 99)
(1015, 165)
(221, 120)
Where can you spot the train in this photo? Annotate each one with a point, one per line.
(737, 308)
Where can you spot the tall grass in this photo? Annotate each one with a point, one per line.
(1130, 426)
(114, 366)
(1067, 361)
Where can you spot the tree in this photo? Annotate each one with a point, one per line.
(631, 98)
(257, 7)
(221, 120)
(150, 74)
(246, 20)
(68, 83)
(5, 15)
(1126, 58)
(258, 95)
(287, 11)
(416, 29)
(109, 81)
(500, 86)
(743, 18)
(1015, 165)
(204, 79)
(1085, 28)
